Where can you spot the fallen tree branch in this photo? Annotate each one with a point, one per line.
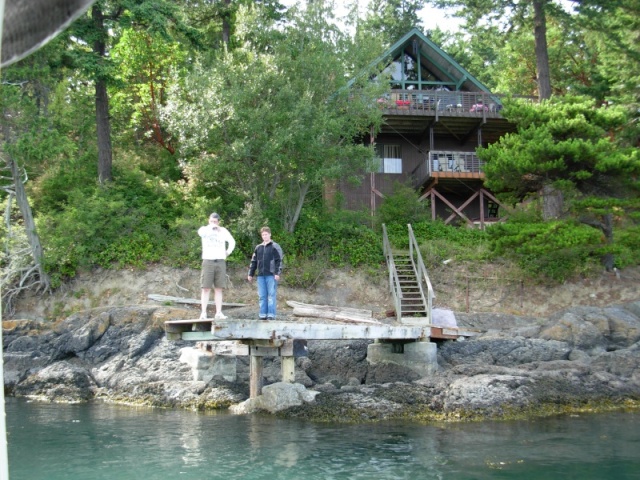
(343, 314)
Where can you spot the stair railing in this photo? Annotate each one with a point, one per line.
(421, 273)
(394, 281)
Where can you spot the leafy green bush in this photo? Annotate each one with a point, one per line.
(124, 223)
(439, 242)
(134, 250)
(343, 236)
(51, 192)
(402, 207)
(302, 272)
(627, 242)
(356, 246)
(246, 227)
(557, 266)
(552, 250)
(139, 219)
(183, 247)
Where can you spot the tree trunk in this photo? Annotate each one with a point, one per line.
(29, 224)
(226, 22)
(542, 55)
(292, 217)
(552, 202)
(103, 126)
(608, 259)
(606, 227)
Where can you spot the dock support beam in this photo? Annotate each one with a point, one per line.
(287, 350)
(421, 357)
(255, 375)
(206, 365)
(289, 369)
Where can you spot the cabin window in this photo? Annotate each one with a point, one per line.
(389, 159)
(392, 165)
(394, 70)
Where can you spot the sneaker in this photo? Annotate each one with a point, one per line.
(271, 318)
(220, 316)
(203, 316)
(262, 318)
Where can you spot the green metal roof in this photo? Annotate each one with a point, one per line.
(435, 60)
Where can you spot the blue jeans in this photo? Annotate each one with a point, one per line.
(267, 287)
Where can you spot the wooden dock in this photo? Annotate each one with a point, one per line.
(288, 340)
(234, 329)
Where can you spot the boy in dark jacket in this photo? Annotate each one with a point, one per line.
(267, 262)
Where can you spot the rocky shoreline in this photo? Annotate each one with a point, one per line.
(578, 358)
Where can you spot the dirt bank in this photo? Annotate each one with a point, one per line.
(456, 288)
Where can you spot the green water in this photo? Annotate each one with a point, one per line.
(100, 441)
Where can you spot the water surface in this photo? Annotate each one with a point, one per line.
(98, 441)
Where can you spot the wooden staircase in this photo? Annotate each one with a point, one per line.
(409, 282)
(412, 301)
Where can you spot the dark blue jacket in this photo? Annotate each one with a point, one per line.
(266, 260)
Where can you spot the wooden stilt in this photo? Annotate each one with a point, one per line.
(255, 375)
(288, 369)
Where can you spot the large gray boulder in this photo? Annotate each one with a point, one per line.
(276, 397)
(594, 330)
(58, 382)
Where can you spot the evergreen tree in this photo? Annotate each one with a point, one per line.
(391, 19)
(565, 149)
(512, 17)
(95, 34)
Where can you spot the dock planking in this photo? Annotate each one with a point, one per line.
(231, 329)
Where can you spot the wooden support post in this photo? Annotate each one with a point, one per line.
(288, 369)
(481, 210)
(468, 294)
(255, 375)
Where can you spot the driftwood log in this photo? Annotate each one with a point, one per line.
(343, 314)
(189, 301)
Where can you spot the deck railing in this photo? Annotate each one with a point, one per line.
(421, 274)
(450, 161)
(394, 281)
(476, 103)
(447, 161)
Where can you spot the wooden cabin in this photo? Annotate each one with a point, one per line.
(436, 115)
